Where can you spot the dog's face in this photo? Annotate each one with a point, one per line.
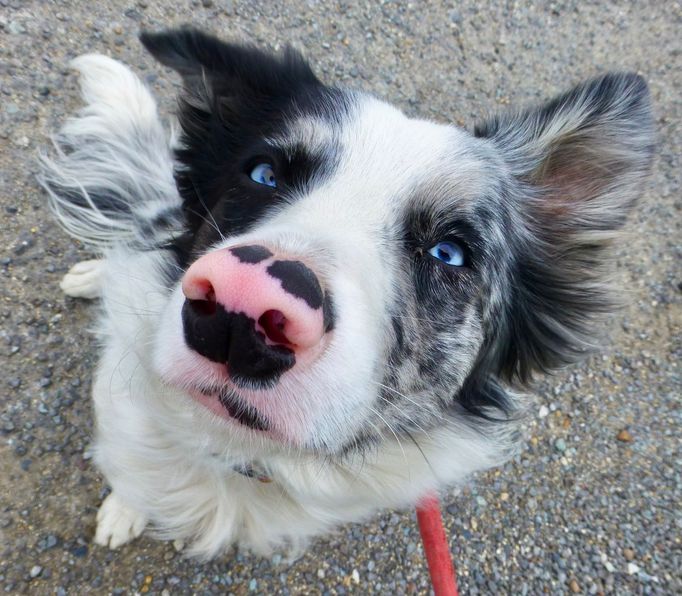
(350, 273)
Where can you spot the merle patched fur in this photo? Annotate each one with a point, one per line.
(413, 388)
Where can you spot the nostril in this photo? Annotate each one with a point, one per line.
(207, 306)
(273, 322)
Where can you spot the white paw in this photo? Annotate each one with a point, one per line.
(84, 279)
(117, 523)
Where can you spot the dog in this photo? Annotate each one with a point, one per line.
(313, 307)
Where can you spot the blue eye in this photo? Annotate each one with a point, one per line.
(450, 253)
(264, 174)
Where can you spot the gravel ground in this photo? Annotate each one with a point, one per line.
(590, 506)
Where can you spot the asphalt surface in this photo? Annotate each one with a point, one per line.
(592, 503)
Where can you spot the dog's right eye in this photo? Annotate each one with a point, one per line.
(263, 173)
(449, 253)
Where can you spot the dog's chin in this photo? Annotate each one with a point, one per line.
(227, 404)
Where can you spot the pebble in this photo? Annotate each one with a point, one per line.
(50, 541)
(80, 551)
(36, 570)
(16, 28)
(455, 17)
(624, 436)
(560, 445)
(178, 545)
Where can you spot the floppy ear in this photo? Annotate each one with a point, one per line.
(580, 162)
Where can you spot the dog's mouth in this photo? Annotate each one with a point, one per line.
(226, 403)
(241, 412)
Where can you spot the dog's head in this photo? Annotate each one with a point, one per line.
(350, 273)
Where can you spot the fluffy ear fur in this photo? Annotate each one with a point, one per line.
(580, 162)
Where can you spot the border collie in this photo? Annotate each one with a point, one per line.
(313, 306)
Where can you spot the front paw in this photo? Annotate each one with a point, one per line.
(84, 279)
(117, 523)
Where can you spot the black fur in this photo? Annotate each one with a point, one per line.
(241, 412)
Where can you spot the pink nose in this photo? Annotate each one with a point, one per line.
(280, 294)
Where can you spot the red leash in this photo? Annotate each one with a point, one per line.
(436, 548)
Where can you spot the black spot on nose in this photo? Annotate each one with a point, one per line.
(232, 338)
(299, 281)
(251, 254)
(329, 316)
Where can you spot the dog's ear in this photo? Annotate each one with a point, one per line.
(580, 162)
(224, 81)
(215, 67)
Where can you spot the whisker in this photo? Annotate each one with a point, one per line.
(390, 403)
(203, 204)
(421, 406)
(392, 431)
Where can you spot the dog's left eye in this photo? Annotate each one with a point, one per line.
(450, 253)
(264, 174)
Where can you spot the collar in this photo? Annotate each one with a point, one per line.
(252, 470)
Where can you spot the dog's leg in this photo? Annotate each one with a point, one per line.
(117, 523)
(84, 279)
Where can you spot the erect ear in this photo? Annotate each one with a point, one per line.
(580, 161)
(193, 53)
(212, 68)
